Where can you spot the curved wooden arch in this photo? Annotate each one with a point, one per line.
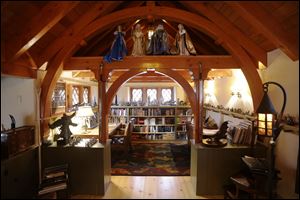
(117, 83)
(133, 72)
(196, 21)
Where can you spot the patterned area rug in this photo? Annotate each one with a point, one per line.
(153, 159)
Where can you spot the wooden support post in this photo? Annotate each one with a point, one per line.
(197, 113)
(201, 101)
(101, 106)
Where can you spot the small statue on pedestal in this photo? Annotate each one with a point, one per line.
(65, 121)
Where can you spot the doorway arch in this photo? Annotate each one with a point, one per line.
(133, 72)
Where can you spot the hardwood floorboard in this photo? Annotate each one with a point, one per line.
(149, 187)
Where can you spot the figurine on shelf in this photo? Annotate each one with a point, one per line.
(159, 44)
(118, 48)
(183, 42)
(65, 121)
(138, 41)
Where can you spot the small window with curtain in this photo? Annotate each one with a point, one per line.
(137, 95)
(59, 95)
(151, 95)
(166, 94)
(75, 95)
(85, 95)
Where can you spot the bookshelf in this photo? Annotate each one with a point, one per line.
(154, 122)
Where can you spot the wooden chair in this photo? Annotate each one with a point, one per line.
(121, 142)
(244, 187)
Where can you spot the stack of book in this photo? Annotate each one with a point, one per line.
(241, 134)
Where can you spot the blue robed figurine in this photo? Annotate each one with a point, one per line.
(118, 48)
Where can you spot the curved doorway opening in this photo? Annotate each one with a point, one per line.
(152, 113)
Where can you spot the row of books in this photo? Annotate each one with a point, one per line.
(156, 121)
(241, 134)
(153, 129)
(117, 120)
(118, 112)
(151, 111)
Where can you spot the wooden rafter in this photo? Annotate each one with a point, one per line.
(253, 13)
(36, 28)
(97, 10)
(20, 68)
(176, 62)
(229, 28)
(84, 74)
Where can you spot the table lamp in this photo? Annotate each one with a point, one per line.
(85, 112)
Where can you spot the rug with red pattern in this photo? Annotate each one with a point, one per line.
(153, 159)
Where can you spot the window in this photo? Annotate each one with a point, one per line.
(59, 95)
(137, 95)
(166, 94)
(75, 95)
(151, 95)
(85, 95)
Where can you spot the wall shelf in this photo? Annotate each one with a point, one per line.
(227, 112)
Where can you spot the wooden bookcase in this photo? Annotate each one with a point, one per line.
(154, 122)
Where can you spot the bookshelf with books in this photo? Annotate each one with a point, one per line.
(183, 115)
(155, 122)
(118, 115)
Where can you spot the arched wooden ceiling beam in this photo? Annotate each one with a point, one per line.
(191, 19)
(221, 21)
(50, 14)
(270, 27)
(199, 23)
(100, 8)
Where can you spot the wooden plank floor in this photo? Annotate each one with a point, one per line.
(149, 187)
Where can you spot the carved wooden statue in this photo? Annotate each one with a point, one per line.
(65, 121)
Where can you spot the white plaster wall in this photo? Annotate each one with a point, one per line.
(220, 91)
(123, 94)
(18, 99)
(283, 70)
(286, 152)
